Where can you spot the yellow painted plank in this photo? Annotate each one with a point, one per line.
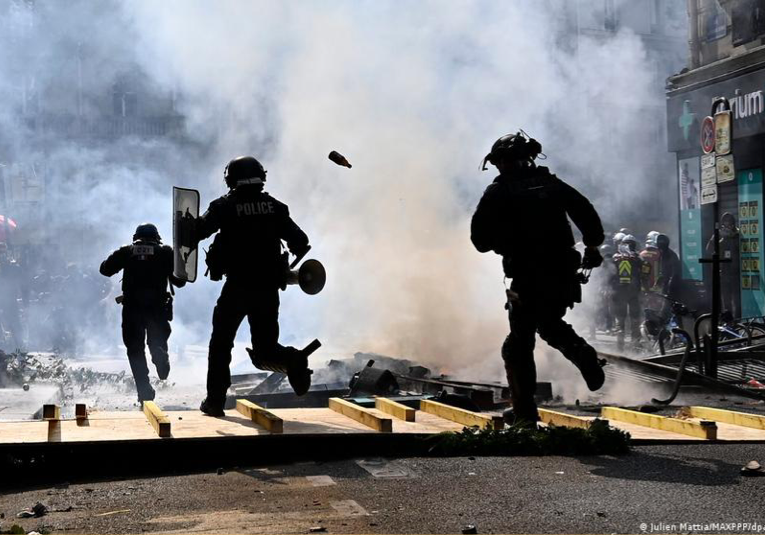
(260, 416)
(744, 419)
(157, 419)
(80, 411)
(361, 415)
(706, 430)
(51, 412)
(400, 411)
(562, 419)
(461, 416)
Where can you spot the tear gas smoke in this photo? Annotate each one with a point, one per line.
(415, 97)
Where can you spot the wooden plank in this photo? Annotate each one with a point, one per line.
(81, 411)
(705, 430)
(361, 415)
(260, 416)
(157, 419)
(562, 419)
(51, 412)
(744, 419)
(54, 430)
(400, 411)
(461, 416)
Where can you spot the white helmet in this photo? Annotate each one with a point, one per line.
(650, 238)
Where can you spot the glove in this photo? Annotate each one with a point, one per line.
(592, 258)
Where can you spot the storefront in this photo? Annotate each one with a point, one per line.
(740, 197)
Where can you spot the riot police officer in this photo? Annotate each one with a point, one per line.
(251, 225)
(147, 267)
(523, 216)
(671, 267)
(626, 295)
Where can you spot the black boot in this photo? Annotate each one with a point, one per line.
(292, 362)
(163, 368)
(145, 393)
(212, 409)
(512, 419)
(586, 359)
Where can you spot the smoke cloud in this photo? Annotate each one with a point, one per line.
(413, 94)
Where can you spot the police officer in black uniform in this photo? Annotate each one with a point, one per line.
(251, 225)
(523, 216)
(146, 304)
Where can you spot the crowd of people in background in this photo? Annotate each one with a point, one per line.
(634, 277)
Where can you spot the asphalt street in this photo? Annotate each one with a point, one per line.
(649, 490)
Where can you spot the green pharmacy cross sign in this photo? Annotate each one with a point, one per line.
(686, 119)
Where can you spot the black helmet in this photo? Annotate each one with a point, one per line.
(147, 232)
(662, 241)
(519, 147)
(244, 170)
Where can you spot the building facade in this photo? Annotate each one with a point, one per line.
(70, 95)
(726, 59)
(661, 26)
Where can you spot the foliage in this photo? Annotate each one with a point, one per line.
(519, 440)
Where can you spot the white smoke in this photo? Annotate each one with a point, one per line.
(414, 95)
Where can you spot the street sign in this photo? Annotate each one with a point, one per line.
(708, 177)
(722, 118)
(709, 194)
(708, 135)
(722, 132)
(725, 169)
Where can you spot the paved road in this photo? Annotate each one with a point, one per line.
(654, 485)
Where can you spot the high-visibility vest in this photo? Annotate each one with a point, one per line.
(650, 269)
(626, 269)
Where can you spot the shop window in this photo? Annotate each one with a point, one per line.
(124, 99)
(748, 21)
(715, 21)
(611, 22)
(655, 14)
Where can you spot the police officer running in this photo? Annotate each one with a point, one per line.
(523, 216)
(147, 307)
(248, 251)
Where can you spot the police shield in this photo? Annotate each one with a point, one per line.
(185, 214)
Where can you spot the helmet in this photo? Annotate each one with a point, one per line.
(625, 230)
(650, 238)
(147, 232)
(662, 241)
(519, 147)
(606, 250)
(630, 242)
(618, 237)
(244, 170)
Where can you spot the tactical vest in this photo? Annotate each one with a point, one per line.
(627, 270)
(145, 276)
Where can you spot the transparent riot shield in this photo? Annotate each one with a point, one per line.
(185, 214)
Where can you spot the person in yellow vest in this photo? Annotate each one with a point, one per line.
(626, 295)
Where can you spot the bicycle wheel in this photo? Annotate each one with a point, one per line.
(758, 333)
(734, 331)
